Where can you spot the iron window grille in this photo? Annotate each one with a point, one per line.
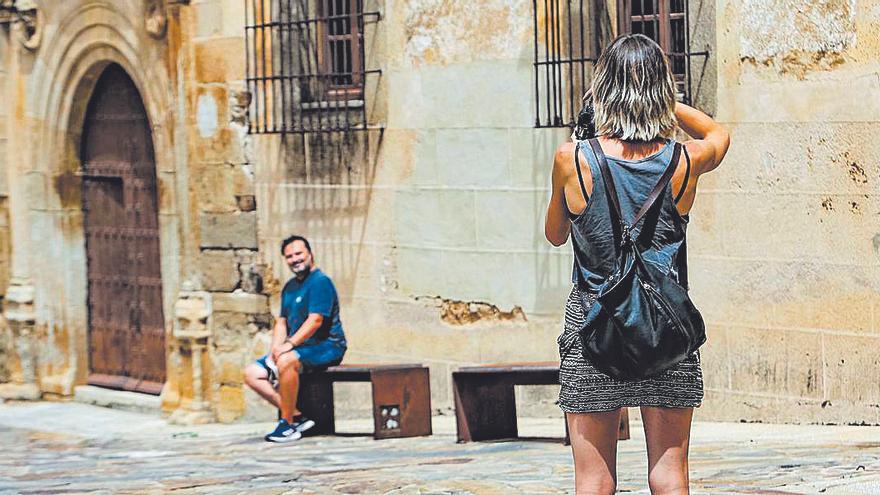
(567, 37)
(564, 43)
(305, 65)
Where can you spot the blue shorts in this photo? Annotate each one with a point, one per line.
(315, 357)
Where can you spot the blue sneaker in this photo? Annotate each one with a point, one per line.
(302, 423)
(284, 432)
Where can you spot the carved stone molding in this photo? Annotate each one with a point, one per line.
(191, 314)
(26, 20)
(155, 19)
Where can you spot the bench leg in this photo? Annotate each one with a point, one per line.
(485, 408)
(315, 400)
(401, 403)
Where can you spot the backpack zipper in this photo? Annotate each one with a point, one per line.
(665, 305)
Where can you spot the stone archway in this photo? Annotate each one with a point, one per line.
(50, 280)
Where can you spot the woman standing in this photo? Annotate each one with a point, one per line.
(635, 117)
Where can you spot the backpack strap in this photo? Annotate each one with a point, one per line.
(661, 184)
(610, 192)
(652, 205)
(687, 175)
(617, 222)
(683, 265)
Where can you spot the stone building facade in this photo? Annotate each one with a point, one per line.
(428, 212)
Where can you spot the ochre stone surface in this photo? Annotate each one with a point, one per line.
(431, 227)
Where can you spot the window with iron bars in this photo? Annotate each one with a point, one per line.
(305, 65)
(567, 40)
(666, 22)
(564, 45)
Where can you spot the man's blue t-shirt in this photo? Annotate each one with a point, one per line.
(315, 294)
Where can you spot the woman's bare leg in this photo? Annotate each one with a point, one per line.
(667, 433)
(594, 447)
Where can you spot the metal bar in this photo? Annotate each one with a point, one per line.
(570, 65)
(537, 84)
(581, 61)
(286, 66)
(257, 70)
(362, 63)
(375, 14)
(256, 98)
(361, 73)
(553, 52)
(560, 77)
(247, 61)
(272, 36)
(265, 64)
(687, 47)
(305, 12)
(328, 62)
(547, 56)
(291, 46)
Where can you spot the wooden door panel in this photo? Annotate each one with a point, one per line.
(126, 324)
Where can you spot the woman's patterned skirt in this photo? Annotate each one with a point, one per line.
(586, 389)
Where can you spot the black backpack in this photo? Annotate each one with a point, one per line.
(642, 321)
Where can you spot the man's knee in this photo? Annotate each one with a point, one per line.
(253, 373)
(288, 362)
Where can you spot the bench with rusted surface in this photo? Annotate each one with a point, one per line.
(485, 406)
(401, 398)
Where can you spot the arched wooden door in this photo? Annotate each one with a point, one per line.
(126, 326)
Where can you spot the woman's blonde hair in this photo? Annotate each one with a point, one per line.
(633, 91)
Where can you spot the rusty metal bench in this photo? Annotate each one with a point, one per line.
(485, 406)
(401, 398)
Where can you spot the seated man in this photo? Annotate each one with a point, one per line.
(308, 336)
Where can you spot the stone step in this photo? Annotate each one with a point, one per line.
(117, 399)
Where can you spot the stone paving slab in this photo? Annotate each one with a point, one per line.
(57, 447)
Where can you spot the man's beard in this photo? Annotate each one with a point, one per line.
(303, 271)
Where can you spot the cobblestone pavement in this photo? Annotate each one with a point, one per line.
(55, 447)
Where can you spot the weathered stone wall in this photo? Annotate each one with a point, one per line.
(188, 64)
(432, 226)
(784, 255)
(5, 340)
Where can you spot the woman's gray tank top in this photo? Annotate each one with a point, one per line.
(591, 234)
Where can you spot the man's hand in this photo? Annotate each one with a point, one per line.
(280, 349)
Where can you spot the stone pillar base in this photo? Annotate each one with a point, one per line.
(20, 391)
(184, 417)
(18, 312)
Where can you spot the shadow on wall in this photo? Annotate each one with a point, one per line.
(320, 186)
(552, 265)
